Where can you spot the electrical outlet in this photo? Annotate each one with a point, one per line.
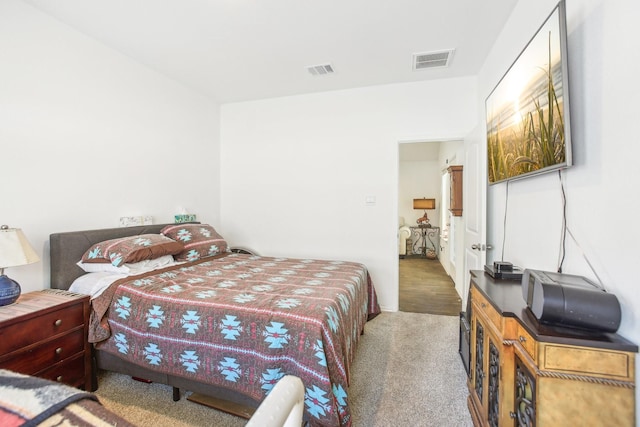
(132, 221)
(129, 221)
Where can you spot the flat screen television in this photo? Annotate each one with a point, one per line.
(528, 120)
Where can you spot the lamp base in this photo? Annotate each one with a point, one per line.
(9, 290)
(423, 221)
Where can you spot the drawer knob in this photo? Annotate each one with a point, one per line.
(522, 339)
(59, 350)
(59, 378)
(483, 305)
(58, 322)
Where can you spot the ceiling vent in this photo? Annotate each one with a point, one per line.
(426, 60)
(319, 70)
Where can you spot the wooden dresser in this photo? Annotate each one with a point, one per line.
(44, 334)
(524, 373)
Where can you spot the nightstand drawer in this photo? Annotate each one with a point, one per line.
(39, 357)
(70, 372)
(40, 328)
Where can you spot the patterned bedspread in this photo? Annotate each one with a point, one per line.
(242, 322)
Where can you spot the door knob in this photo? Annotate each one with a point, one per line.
(481, 247)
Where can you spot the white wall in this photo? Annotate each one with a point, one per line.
(602, 187)
(296, 171)
(419, 179)
(88, 136)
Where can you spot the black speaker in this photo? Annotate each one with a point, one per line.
(464, 344)
(569, 300)
(464, 341)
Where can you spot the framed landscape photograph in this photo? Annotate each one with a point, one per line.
(528, 128)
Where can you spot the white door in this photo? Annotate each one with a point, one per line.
(445, 225)
(474, 206)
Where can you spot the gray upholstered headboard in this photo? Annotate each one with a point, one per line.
(67, 248)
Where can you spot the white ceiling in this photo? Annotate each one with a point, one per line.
(236, 50)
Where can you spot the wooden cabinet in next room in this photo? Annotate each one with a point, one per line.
(455, 190)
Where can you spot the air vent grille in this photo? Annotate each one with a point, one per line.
(320, 70)
(441, 58)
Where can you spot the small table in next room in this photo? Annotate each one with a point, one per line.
(425, 241)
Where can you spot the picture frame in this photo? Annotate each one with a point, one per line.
(527, 113)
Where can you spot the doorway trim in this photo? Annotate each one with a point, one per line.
(459, 265)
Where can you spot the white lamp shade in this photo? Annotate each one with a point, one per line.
(15, 248)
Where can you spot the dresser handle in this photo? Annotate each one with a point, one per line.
(59, 378)
(513, 415)
(58, 322)
(483, 305)
(59, 350)
(522, 339)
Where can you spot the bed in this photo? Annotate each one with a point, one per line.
(228, 325)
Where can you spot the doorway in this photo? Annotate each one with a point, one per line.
(425, 282)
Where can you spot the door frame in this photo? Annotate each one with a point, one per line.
(460, 267)
(474, 205)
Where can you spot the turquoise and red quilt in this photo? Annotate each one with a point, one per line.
(242, 322)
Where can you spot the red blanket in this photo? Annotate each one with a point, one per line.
(243, 321)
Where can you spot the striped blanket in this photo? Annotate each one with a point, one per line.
(30, 401)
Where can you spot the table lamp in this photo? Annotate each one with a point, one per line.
(424, 204)
(14, 250)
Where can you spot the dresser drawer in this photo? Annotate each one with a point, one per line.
(588, 361)
(36, 358)
(70, 371)
(527, 342)
(42, 327)
(483, 306)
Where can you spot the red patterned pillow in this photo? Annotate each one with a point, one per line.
(199, 240)
(131, 249)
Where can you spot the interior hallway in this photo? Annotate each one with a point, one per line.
(426, 288)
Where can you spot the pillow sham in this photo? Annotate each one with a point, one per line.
(131, 249)
(199, 240)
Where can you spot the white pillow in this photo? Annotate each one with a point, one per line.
(94, 283)
(137, 267)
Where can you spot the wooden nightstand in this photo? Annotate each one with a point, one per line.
(44, 334)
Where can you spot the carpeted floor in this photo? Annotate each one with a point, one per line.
(407, 372)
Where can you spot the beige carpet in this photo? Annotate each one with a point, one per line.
(407, 372)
